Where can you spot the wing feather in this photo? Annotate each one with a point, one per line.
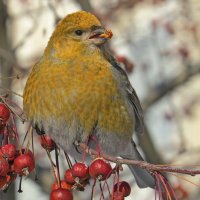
(131, 94)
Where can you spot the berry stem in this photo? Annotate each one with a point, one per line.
(32, 139)
(14, 129)
(68, 160)
(52, 164)
(155, 189)
(114, 182)
(30, 133)
(93, 189)
(12, 110)
(108, 187)
(117, 171)
(57, 167)
(101, 189)
(6, 136)
(20, 185)
(84, 152)
(98, 149)
(165, 186)
(172, 190)
(158, 186)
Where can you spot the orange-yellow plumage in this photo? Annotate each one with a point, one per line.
(62, 89)
(77, 90)
(79, 19)
(87, 92)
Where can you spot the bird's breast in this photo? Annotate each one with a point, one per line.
(85, 92)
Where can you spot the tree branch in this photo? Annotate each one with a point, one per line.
(85, 5)
(146, 143)
(140, 164)
(170, 85)
(26, 36)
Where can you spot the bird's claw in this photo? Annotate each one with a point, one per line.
(118, 167)
(39, 131)
(77, 144)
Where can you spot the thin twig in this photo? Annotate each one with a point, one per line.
(10, 77)
(141, 164)
(68, 160)
(57, 167)
(27, 35)
(13, 111)
(10, 91)
(195, 184)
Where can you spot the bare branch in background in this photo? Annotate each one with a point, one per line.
(5, 50)
(6, 70)
(148, 147)
(53, 9)
(85, 5)
(170, 86)
(27, 35)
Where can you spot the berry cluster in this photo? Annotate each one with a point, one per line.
(13, 161)
(16, 160)
(78, 176)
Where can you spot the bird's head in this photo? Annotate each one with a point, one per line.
(79, 30)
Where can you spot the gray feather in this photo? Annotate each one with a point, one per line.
(130, 92)
(143, 178)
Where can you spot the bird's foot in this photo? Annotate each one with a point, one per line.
(39, 131)
(76, 145)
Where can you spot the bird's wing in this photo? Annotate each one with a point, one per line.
(131, 94)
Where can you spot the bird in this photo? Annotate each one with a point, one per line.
(78, 90)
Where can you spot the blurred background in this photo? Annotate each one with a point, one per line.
(158, 44)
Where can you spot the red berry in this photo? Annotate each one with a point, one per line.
(123, 187)
(118, 196)
(80, 170)
(121, 59)
(47, 143)
(24, 164)
(8, 151)
(4, 167)
(25, 151)
(61, 194)
(64, 185)
(100, 169)
(4, 113)
(69, 177)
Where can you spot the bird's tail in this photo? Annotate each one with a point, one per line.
(143, 178)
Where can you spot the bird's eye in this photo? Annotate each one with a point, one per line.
(79, 32)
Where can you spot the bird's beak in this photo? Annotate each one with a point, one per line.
(100, 36)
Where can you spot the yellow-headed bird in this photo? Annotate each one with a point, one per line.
(78, 90)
